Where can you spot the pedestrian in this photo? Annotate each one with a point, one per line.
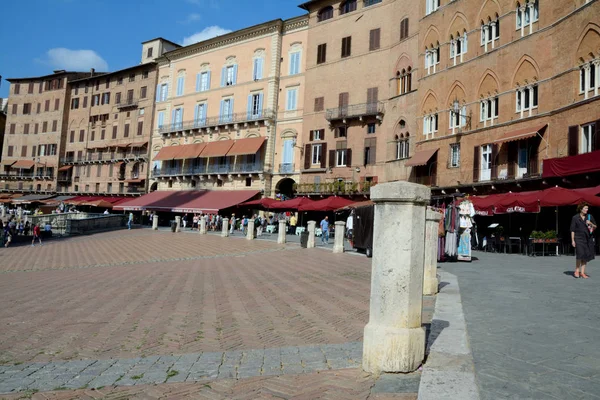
(130, 221)
(293, 222)
(583, 226)
(7, 235)
(325, 230)
(185, 218)
(244, 225)
(36, 235)
(195, 222)
(232, 224)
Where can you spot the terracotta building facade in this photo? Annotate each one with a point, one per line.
(504, 86)
(229, 111)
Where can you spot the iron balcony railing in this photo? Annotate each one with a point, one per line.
(216, 121)
(125, 103)
(286, 168)
(355, 111)
(17, 174)
(210, 169)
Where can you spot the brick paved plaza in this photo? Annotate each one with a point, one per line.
(127, 307)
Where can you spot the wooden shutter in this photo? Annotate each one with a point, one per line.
(512, 151)
(312, 136)
(36, 128)
(33, 151)
(307, 154)
(374, 39)
(349, 157)
(24, 151)
(323, 155)
(373, 153)
(26, 129)
(573, 140)
(476, 163)
(56, 104)
(126, 133)
(47, 105)
(331, 158)
(140, 127)
(494, 161)
(344, 99)
(114, 132)
(322, 132)
(54, 126)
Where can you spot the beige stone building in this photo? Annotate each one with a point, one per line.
(360, 99)
(229, 111)
(504, 88)
(106, 146)
(36, 123)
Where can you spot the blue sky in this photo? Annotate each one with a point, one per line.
(42, 35)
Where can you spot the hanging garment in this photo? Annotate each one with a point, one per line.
(464, 246)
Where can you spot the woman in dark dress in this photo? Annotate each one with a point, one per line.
(582, 227)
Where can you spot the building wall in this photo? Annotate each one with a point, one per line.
(238, 50)
(2, 132)
(369, 66)
(99, 136)
(565, 37)
(47, 118)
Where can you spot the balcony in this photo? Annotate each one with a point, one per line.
(136, 189)
(17, 175)
(510, 172)
(127, 103)
(287, 168)
(355, 111)
(427, 180)
(214, 122)
(64, 178)
(242, 168)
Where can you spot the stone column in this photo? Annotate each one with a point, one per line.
(493, 33)
(250, 229)
(3, 212)
(225, 231)
(485, 37)
(430, 281)
(338, 243)
(155, 222)
(394, 340)
(311, 234)
(281, 233)
(178, 223)
(202, 228)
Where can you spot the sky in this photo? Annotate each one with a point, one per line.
(39, 36)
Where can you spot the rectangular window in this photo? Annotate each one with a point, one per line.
(140, 128)
(588, 138)
(143, 91)
(93, 136)
(371, 2)
(230, 75)
(105, 98)
(226, 110)
(431, 6)
(10, 148)
(319, 103)
(257, 72)
(17, 89)
(56, 104)
(24, 151)
(130, 96)
(164, 89)
(27, 108)
(295, 63)
(316, 154)
(95, 100)
(292, 99)
(38, 108)
(74, 104)
(340, 158)
(149, 52)
(255, 105)
(85, 102)
(204, 81)
(454, 155)
(47, 105)
(98, 171)
(126, 131)
(322, 53)
(145, 75)
(107, 83)
(430, 125)
(44, 126)
(14, 108)
(370, 151)
(374, 39)
(30, 88)
(114, 132)
(55, 126)
(346, 46)
(36, 128)
(318, 134)
(33, 151)
(371, 128)
(404, 29)
(81, 135)
(180, 83)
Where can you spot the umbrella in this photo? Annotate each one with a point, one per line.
(329, 204)
(98, 203)
(293, 204)
(359, 204)
(264, 203)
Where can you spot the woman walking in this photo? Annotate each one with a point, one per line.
(582, 228)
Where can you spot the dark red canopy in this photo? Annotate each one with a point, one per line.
(261, 203)
(329, 204)
(293, 204)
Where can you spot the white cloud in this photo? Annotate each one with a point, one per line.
(193, 17)
(74, 60)
(205, 34)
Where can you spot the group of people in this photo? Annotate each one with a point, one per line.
(13, 228)
(215, 222)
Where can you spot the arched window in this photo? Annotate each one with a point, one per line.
(402, 143)
(404, 79)
(527, 14)
(325, 14)
(348, 6)
(409, 80)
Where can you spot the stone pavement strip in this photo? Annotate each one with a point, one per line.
(206, 366)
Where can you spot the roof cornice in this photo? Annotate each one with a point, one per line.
(295, 23)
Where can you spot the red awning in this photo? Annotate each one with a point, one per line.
(421, 158)
(159, 200)
(484, 205)
(93, 200)
(359, 204)
(525, 133)
(140, 144)
(212, 201)
(293, 204)
(65, 168)
(219, 148)
(331, 203)
(565, 166)
(168, 153)
(246, 146)
(23, 164)
(190, 151)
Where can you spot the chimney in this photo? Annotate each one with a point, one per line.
(92, 70)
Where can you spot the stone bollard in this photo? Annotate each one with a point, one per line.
(155, 222)
(338, 243)
(430, 280)
(225, 231)
(250, 230)
(202, 228)
(394, 340)
(311, 234)
(281, 233)
(178, 224)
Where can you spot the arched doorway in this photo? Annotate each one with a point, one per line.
(286, 187)
(154, 187)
